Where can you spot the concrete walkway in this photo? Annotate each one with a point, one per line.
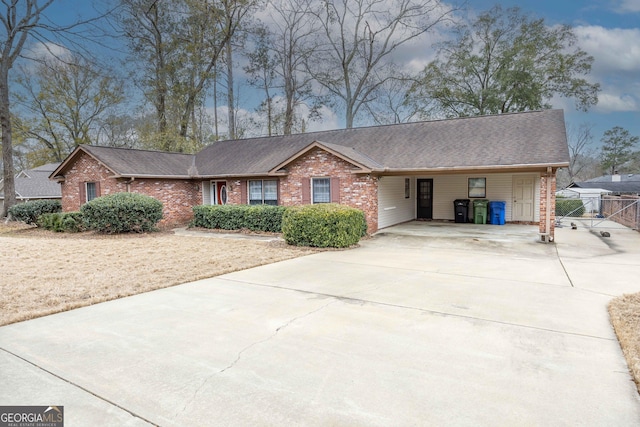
(447, 328)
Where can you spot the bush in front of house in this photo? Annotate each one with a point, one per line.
(236, 217)
(68, 222)
(264, 218)
(29, 212)
(569, 207)
(122, 213)
(326, 225)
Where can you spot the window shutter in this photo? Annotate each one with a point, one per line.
(98, 189)
(306, 191)
(83, 193)
(243, 193)
(335, 190)
(278, 190)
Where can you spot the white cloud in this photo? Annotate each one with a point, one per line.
(612, 48)
(328, 121)
(611, 103)
(47, 51)
(627, 6)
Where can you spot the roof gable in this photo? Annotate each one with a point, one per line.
(125, 162)
(361, 162)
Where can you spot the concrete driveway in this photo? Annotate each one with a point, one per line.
(443, 328)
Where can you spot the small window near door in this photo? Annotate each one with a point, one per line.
(91, 191)
(477, 188)
(407, 188)
(321, 190)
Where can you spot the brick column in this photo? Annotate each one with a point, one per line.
(548, 180)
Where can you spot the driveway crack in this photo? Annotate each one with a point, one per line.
(275, 333)
(250, 346)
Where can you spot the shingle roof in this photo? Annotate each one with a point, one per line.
(35, 184)
(531, 138)
(137, 163)
(499, 141)
(629, 183)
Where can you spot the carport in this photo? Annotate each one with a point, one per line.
(461, 232)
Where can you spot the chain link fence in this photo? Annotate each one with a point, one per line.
(597, 209)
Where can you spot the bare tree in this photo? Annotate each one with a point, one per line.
(261, 69)
(19, 21)
(392, 104)
(358, 40)
(177, 45)
(295, 30)
(581, 152)
(64, 104)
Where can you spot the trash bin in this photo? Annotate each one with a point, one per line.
(496, 212)
(461, 210)
(480, 211)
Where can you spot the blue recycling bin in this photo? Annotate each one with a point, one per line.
(497, 212)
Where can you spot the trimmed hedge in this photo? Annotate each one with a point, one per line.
(569, 207)
(122, 213)
(29, 212)
(323, 225)
(236, 217)
(70, 222)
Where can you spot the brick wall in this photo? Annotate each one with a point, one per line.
(356, 190)
(543, 204)
(177, 196)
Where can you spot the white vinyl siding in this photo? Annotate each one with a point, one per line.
(447, 188)
(393, 207)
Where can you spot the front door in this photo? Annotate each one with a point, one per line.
(425, 199)
(523, 198)
(219, 192)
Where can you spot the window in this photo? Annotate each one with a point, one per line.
(91, 191)
(321, 190)
(263, 192)
(477, 187)
(407, 188)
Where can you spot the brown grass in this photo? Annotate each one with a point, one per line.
(44, 272)
(624, 312)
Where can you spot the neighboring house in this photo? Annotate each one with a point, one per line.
(591, 197)
(616, 184)
(394, 173)
(34, 184)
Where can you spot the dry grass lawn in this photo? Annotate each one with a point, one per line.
(624, 312)
(45, 272)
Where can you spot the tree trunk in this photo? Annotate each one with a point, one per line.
(7, 147)
(230, 96)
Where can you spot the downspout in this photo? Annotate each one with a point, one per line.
(548, 213)
(129, 184)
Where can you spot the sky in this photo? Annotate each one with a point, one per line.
(609, 30)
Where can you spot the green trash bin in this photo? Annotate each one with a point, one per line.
(480, 211)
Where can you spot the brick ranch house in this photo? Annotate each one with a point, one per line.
(394, 173)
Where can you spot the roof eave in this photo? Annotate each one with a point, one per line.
(459, 169)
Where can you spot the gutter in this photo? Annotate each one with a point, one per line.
(472, 168)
